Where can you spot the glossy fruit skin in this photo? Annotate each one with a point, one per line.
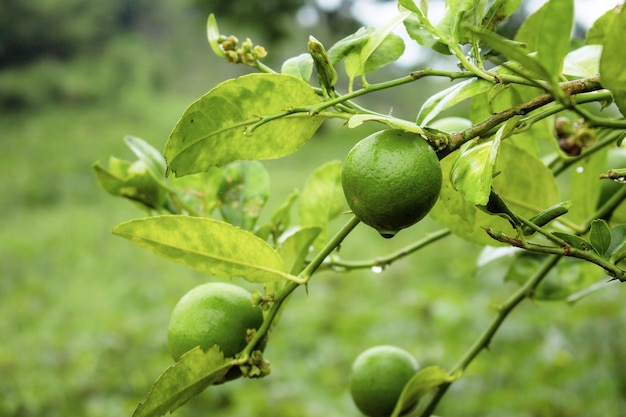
(377, 378)
(391, 180)
(215, 313)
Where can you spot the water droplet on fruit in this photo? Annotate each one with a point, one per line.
(387, 234)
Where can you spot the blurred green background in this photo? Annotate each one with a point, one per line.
(84, 314)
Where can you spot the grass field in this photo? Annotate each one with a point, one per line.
(84, 313)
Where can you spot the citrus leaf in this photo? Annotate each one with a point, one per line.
(393, 122)
(243, 192)
(450, 97)
(574, 241)
(617, 250)
(300, 66)
(217, 128)
(213, 35)
(498, 12)
(522, 193)
(131, 180)
(555, 27)
(296, 246)
(342, 47)
(149, 155)
(597, 31)
(612, 74)
(193, 373)
(322, 199)
(600, 236)
(424, 381)
(210, 246)
(583, 62)
(513, 51)
(381, 39)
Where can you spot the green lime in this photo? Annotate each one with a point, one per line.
(212, 314)
(378, 377)
(391, 180)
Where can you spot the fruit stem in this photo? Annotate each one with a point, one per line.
(390, 258)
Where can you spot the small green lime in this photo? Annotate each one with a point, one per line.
(391, 180)
(378, 377)
(213, 314)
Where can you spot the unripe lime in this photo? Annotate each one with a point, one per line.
(378, 377)
(212, 314)
(391, 180)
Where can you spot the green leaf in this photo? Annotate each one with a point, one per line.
(340, 49)
(131, 180)
(597, 32)
(424, 381)
(528, 33)
(499, 11)
(617, 250)
(612, 74)
(450, 97)
(388, 52)
(584, 187)
(210, 246)
(151, 157)
(555, 29)
(522, 193)
(513, 51)
(574, 241)
(322, 199)
(423, 36)
(296, 247)
(600, 236)
(381, 39)
(300, 66)
(193, 373)
(213, 35)
(243, 192)
(472, 172)
(583, 62)
(220, 127)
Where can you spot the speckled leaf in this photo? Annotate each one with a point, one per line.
(210, 246)
(193, 373)
(219, 127)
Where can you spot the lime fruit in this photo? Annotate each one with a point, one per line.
(378, 377)
(391, 180)
(212, 314)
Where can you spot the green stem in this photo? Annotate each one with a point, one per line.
(291, 286)
(394, 256)
(485, 338)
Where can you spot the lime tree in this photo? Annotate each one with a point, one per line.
(391, 180)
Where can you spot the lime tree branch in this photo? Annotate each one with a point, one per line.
(564, 249)
(484, 340)
(485, 128)
(385, 261)
(291, 286)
